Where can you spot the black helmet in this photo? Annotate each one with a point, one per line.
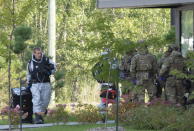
(173, 47)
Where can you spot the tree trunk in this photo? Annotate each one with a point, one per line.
(9, 60)
(74, 91)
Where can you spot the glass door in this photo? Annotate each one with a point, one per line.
(186, 31)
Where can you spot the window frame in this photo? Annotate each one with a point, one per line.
(178, 24)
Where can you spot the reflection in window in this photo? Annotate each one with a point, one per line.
(186, 31)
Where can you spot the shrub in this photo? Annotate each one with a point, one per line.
(123, 108)
(157, 114)
(185, 122)
(58, 114)
(87, 113)
(154, 117)
(14, 113)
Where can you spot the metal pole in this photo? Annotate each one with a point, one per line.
(9, 88)
(9, 63)
(117, 106)
(20, 105)
(52, 29)
(52, 38)
(106, 117)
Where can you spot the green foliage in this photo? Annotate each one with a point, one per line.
(59, 84)
(59, 75)
(82, 33)
(19, 46)
(87, 31)
(155, 117)
(126, 86)
(106, 69)
(22, 34)
(14, 114)
(124, 108)
(170, 36)
(4, 122)
(184, 122)
(190, 64)
(179, 74)
(158, 117)
(188, 73)
(189, 60)
(88, 113)
(59, 114)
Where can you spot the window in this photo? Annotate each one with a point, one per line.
(186, 31)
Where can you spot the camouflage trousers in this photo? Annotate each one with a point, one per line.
(142, 87)
(174, 90)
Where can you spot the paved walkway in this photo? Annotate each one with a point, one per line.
(106, 129)
(6, 127)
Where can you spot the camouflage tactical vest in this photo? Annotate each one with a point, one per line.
(178, 63)
(144, 63)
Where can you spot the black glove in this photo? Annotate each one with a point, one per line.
(29, 84)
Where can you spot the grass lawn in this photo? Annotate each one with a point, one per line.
(3, 122)
(74, 128)
(83, 127)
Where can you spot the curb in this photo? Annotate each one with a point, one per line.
(6, 127)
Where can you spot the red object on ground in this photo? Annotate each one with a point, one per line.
(104, 100)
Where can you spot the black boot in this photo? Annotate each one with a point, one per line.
(46, 111)
(38, 119)
(42, 119)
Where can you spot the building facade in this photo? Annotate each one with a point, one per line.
(182, 16)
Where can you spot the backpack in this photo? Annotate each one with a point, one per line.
(144, 63)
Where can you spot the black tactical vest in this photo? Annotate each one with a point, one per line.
(39, 71)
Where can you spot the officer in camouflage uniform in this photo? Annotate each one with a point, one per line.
(174, 84)
(144, 68)
(125, 65)
(162, 80)
(125, 76)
